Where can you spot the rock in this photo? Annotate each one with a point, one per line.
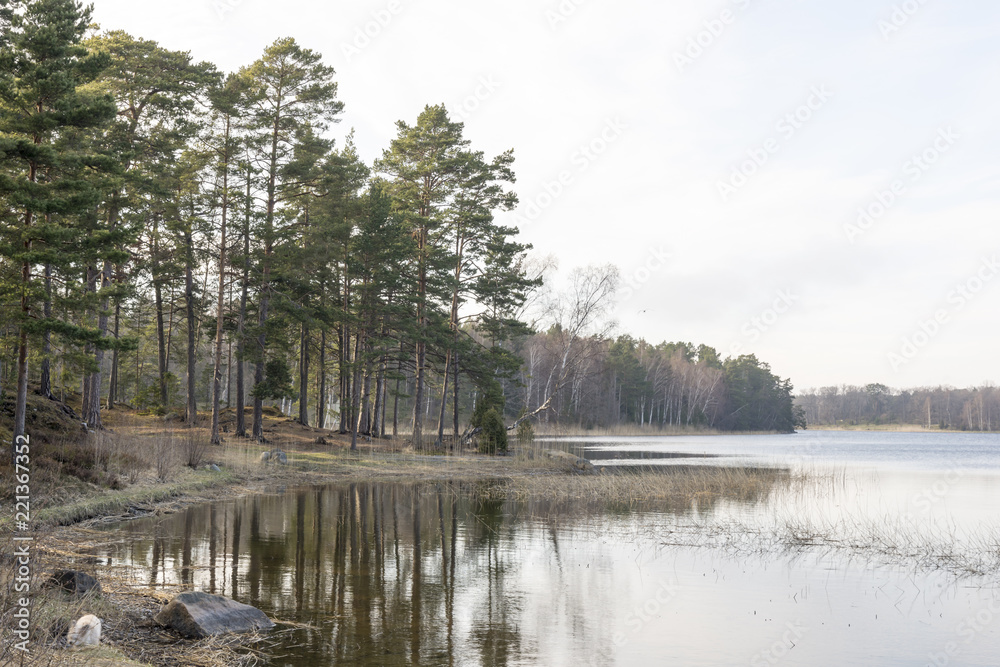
(85, 632)
(77, 583)
(321, 440)
(197, 615)
(214, 468)
(275, 455)
(572, 459)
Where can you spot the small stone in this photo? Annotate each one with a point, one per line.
(280, 457)
(214, 468)
(197, 615)
(265, 457)
(77, 583)
(85, 632)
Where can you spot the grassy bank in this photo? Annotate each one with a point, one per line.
(892, 428)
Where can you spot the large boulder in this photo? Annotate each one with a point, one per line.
(572, 460)
(76, 583)
(85, 632)
(198, 615)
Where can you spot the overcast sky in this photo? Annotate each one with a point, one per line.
(720, 153)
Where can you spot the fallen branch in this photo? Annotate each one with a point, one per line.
(473, 432)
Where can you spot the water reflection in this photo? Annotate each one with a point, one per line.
(455, 573)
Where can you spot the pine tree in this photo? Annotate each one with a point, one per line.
(42, 101)
(156, 91)
(424, 165)
(226, 102)
(289, 90)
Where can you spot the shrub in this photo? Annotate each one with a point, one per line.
(493, 438)
(490, 397)
(525, 433)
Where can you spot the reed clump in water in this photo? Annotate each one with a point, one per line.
(646, 487)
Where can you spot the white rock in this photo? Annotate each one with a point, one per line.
(85, 632)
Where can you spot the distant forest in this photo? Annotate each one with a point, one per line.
(180, 240)
(975, 409)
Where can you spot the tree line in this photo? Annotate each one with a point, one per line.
(622, 380)
(174, 237)
(970, 409)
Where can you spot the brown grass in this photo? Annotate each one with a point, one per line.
(129, 636)
(663, 488)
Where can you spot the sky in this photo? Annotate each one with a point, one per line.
(815, 183)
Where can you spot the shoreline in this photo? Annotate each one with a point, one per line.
(67, 531)
(67, 534)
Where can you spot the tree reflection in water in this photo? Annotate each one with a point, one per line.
(382, 574)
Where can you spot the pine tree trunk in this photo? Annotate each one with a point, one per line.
(92, 406)
(418, 395)
(192, 399)
(321, 403)
(439, 443)
(229, 366)
(21, 402)
(355, 409)
(46, 384)
(395, 409)
(241, 399)
(304, 376)
(379, 408)
(161, 343)
(356, 372)
(265, 284)
(421, 346)
(344, 378)
(94, 418)
(455, 383)
(113, 381)
(216, 439)
(366, 411)
(258, 376)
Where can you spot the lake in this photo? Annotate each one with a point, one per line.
(873, 549)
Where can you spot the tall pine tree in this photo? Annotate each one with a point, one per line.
(42, 101)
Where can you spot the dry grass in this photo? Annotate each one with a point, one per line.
(675, 489)
(895, 428)
(129, 636)
(621, 430)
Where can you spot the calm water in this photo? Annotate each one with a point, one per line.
(441, 574)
